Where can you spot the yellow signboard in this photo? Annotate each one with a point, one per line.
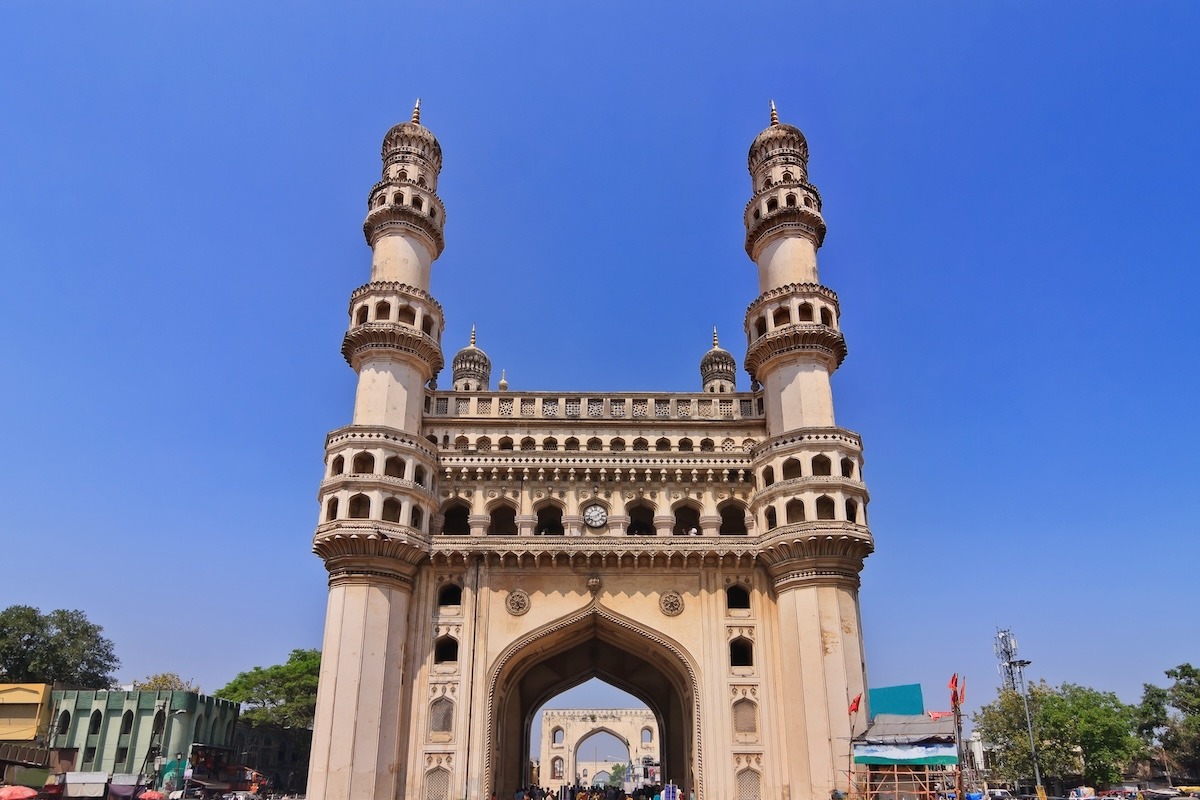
(1041, 792)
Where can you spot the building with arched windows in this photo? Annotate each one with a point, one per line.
(488, 548)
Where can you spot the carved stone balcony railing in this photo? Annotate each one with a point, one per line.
(575, 407)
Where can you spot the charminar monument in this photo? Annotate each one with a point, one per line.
(488, 549)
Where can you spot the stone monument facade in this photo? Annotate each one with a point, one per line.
(488, 549)
(562, 762)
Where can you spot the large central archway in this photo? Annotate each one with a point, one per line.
(594, 642)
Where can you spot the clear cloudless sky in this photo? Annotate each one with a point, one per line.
(1011, 190)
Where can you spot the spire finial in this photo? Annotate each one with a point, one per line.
(774, 114)
(416, 117)
(472, 336)
(714, 337)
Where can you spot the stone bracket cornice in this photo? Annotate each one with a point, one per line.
(404, 219)
(370, 434)
(394, 338)
(784, 221)
(806, 290)
(820, 483)
(395, 287)
(803, 440)
(824, 343)
(847, 542)
(354, 481)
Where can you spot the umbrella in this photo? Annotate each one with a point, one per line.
(151, 794)
(17, 793)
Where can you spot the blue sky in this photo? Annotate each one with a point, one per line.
(1011, 192)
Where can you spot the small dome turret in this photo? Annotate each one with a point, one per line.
(472, 369)
(779, 142)
(718, 370)
(503, 385)
(412, 142)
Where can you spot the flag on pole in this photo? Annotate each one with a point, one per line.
(855, 702)
(962, 691)
(953, 689)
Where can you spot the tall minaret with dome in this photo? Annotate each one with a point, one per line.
(490, 549)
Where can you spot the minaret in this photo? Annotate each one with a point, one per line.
(377, 498)
(811, 501)
(718, 370)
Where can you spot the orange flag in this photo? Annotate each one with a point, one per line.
(953, 689)
(854, 703)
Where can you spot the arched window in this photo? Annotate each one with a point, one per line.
(772, 204)
(398, 199)
(733, 519)
(662, 444)
(745, 716)
(758, 213)
(749, 785)
(821, 465)
(556, 769)
(791, 469)
(741, 652)
(571, 444)
(847, 468)
(806, 312)
(437, 784)
(549, 521)
(641, 519)
(558, 736)
(450, 595)
(550, 443)
(506, 443)
(595, 444)
(394, 467)
(64, 723)
(687, 521)
(528, 443)
(707, 446)
(364, 464)
(851, 510)
(331, 509)
(383, 311)
(795, 511)
(826, 317)
(736, 597)
(418, 203)
(808, 203)
(445, 650)
(456, 519)
(420, 180)
(640, 444)
(379, 201)
(772, 518)
(360, 507)
(419, 475)
(417, 518)
(127, 723)
(825, 508)
(94, 723)
(403, 175)
(768, 476)
(337, 466)
(441, 715)
(503, 521)
(760, 327)
(432, 211)
(391, 510)
(647, 736)
(685, 445)
(407, 315)
(360, 316)
(483, 444)
(787, 176)
(781, 317)
(790, 201)
(617, 445)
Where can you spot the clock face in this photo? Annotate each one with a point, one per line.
(595, 516)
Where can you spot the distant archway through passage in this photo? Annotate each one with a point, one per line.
(592, 643)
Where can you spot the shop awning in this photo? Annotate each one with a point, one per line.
(216, 786)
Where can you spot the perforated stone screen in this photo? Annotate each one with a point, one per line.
(437, 784)
(748, 785)
(441, 715)
(745, 717)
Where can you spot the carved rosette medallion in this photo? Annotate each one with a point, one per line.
(517, 602)
(671, 603)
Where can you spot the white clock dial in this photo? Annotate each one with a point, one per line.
(595, 516)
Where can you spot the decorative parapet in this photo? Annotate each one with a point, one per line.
(807, 438)
(362, 340)
(784, 221)
(391, 218)
(374, 434)
(799, 337)
(375, 287)
(814, 290)
(576, 407)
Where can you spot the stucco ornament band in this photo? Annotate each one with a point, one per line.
(671, 603)
(517, 602)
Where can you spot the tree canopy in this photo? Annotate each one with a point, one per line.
(284, 694)
(59, 647)
(1078, 731)
(166, 681)
(1169, 720)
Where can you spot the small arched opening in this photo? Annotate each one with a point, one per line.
(771, 518)
(847, 468)
(821, 465)
(685, 445)
(737, 598)
(687, 520)
(393, 467)
(391, 510)
(383, 312)
(363, 464)
(662, 444)
(827, 317)
(337, 466)
(503, 521)
(851, 510)
(795, 511)
(449, 595)
(360, 507)
(826, 508)
(445, 650)
(791, 469)
(768, 476)
(733, 518)
(594, 444)
(408, 315)
(741, 652)
(806, 312)
(781, 317)
(641, 519)
(457, 519)
(549, 520)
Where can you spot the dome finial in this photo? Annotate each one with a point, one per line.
(503, 386)
(714, 336)
(472, 336)
(774, 114)
(416, 117)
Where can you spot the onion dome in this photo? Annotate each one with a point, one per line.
(503, 384)
(408, 139)
(778, 140)
(718, 370)
(471, 368)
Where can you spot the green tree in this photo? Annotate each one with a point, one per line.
(616, 775)
(284, 695)
(1169, 720)
(59, 647)
(166, 681)
(1080, 732)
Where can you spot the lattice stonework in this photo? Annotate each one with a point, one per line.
(747, 408)
(506, 407)
(683, 408)
(550, 407)
(527, 406)
(595, 408)
(441, 715)
(618, 407)
(662, 408)
(443, 405)
(639, 408)
(483, 406)
(748, 785)
(726, 408)
(572, 404)
(745, 717)
(437, 784)
(462, 406)
(705, 408)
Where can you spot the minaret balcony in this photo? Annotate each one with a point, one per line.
(813, 483)
(812, 339)
(383, 339)
(351, 481)
(774, 223)
(406, 219)
(357, 544)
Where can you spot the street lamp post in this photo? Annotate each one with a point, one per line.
(1019, 666)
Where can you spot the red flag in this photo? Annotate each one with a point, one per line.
(962, 691)
(854, 703)
(953, 689)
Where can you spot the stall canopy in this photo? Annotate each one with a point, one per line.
(912, 739)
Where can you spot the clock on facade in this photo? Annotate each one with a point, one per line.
(595, 516)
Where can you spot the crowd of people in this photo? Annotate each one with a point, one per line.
(577, 792)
